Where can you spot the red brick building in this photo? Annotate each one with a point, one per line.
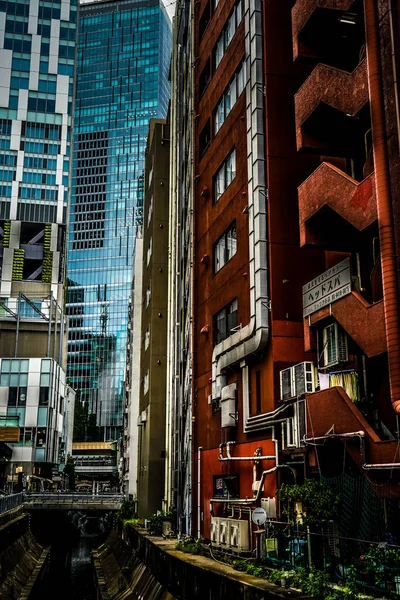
(296, 184)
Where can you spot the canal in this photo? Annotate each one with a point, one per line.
(69, 574)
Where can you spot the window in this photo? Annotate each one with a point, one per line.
(227, 34)
(17, 396)
(41, 436)
(146, 383)
(225, 175)
(225, 321)
(205, 77)
(229, 97)
(26, 436)
(205, 138)
(334, 340)
(43, 396)
(225, 247)
(204, 20)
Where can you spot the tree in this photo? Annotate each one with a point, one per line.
(69, 471)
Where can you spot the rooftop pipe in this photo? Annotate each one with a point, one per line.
(383, 201)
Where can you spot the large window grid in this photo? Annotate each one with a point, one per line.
(229, 97)
(225, 247)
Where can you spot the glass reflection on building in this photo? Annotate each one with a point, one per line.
(122, 81)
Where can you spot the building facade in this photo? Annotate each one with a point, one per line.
(37, 46)
(153, 347)
(296, 309)
(178, 468)
(122, 71)
(132, 374)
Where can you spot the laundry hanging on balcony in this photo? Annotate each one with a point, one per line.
(348, 380)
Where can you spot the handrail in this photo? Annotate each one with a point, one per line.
(64, 498)
(10, 501)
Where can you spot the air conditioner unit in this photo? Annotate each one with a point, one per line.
(166, 528)
(239, 535)
(224, 527)
(287, 390)
(298, 380)
(269, 505)
(215, 530)
(334, 341)
(294, 428)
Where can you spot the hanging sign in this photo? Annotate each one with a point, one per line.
(328, 287)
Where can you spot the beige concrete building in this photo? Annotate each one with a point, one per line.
(153, 349)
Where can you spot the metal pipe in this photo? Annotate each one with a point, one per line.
(352, 434)
(49, 331)
(383, 201)
(394, 68)
(17, 329)
(60, 350)
(257, 498)
(381, 466)
(55, 330)
(199, 449)
(229, 457)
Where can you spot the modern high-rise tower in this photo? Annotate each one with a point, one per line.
(37, 55)
(122, 81)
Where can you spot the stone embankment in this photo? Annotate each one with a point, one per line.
(22, 559)
(132, 564)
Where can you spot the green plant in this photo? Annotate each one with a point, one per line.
(127, 511)
(316, 502)
(6, 234)
(18, 264)
(156, 521)
(189, 546)
(276, 576)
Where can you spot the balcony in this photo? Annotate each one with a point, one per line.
(327, 109)
(332, 411)
(330, 189)
(328, 31)
(362, 321)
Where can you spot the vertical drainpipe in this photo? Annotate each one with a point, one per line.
(383, 200)
(199, 449)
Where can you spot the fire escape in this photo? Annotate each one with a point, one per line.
(350, 397)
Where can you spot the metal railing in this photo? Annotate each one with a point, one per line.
(71, 498)
(9, 502)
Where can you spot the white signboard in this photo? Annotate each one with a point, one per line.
(259, 516)
(327, 287)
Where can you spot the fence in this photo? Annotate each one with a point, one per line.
(9, 502)
(373, 566)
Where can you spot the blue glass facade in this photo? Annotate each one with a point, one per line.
(122, 81)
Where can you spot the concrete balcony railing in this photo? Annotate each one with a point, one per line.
(331, 410)
(303, 10)
(339, 90)
(363, 322)
(330, 187)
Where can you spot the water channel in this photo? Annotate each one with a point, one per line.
(69, 574)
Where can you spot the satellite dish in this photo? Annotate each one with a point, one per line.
(259, 516)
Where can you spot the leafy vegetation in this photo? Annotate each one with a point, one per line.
(315, 501)
(69, 470)
(156, 521)
(189, 546)
(127, 511)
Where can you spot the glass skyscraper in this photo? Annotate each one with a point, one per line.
(123, 60)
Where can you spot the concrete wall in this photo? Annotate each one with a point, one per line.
(153, 353)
